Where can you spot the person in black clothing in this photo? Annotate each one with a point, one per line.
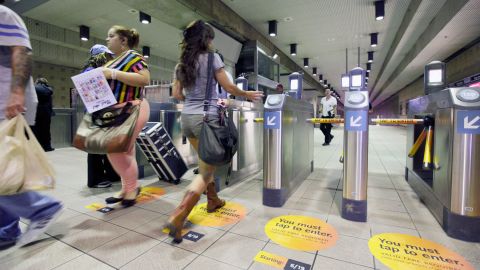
(328, 109)
(43, 118)
(100, 171)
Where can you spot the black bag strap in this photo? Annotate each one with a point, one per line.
(115, 120)
(208, 93)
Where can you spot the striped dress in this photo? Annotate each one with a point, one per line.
(129, 61)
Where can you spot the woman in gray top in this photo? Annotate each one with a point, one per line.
(191, 75)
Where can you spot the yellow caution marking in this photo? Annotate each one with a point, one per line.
(394, 121)
(325, 120)
(418, 143)
(427, 156)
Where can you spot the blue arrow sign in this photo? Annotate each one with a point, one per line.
(356, 120)
(271, 120)
(468, 122)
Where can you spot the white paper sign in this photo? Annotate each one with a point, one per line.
(93, 88)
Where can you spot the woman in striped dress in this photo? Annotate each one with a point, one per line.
(127, 74)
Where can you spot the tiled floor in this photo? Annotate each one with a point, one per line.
(132, 238)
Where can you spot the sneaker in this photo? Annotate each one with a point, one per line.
(325, 144)
(6, 244)
(104, 184)
(37, 227)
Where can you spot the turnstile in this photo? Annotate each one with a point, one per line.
(450, 185)
(288, 151)
(355, 162)
(248, 159)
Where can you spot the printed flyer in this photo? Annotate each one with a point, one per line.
(93, 88)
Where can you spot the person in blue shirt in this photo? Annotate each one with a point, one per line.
(17, 93)
(100, 171)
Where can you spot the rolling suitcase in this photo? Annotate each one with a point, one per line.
(160, 152)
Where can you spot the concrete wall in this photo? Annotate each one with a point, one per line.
(463, 65)
(59, 78)
(59, 54)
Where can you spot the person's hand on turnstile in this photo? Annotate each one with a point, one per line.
(254, 95)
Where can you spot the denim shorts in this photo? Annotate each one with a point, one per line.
(192, 124)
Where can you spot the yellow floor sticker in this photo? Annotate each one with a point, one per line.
(401, 251)
(229, 214)
(148, 194)
(271, 259)
(301, 233)
(95, 206)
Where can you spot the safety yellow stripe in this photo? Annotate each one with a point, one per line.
(325, 120)
(427, 156)
(392, 121)
(417, 143)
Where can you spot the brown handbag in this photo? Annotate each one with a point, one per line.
(107, 131)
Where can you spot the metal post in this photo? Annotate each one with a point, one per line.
(355, 163)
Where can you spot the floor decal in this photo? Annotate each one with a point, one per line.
(229, 214)
(301, 233)
(280, 261)
(401, 251)
(147, 194)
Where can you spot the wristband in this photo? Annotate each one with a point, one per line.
(114, 74)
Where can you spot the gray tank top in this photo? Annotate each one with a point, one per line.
(195, 94)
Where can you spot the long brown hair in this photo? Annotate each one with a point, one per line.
(196, 40)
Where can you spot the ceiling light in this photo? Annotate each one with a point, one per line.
(379, 10)
(146, 51)
(374, 39)
(305, 62)
(370, 57)
(369, 67)
(314, 71)
(272, 28)
(84, 33)
(275, 56)
(145, 18)
(293, 49)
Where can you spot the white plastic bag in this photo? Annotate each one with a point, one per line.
(24, 165)
(12, 164)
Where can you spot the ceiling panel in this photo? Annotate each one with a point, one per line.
(449, 40)
(162, 38)
(324, 29)
(424, 15)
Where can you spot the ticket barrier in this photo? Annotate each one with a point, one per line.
(248, 159)
(447, 177)
(355, 158)
(287, 142)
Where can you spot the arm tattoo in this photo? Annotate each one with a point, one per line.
(21, 68)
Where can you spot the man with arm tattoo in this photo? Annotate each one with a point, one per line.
(16, 90)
